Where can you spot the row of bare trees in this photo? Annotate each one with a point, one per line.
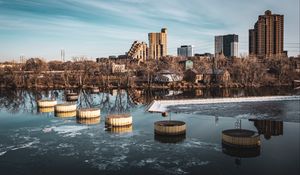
(246, 71)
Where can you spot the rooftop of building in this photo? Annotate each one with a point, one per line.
(182, 46)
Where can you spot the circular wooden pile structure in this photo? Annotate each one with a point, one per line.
(72, 96)
(120, 129)
(170, 127)
(116, 120)
(240, 138)
(46, 109)
(88, 113)
(65, 114)
(89, 121)
(65, 107)
(46, 103)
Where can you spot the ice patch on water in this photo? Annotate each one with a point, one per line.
(2, 153)
(193, 143)
(66, 131)
(257, 116)
(19, 146)
(197, 163)
(46, 130)
(64, 145)
(146, 161)
(25, 145)
(91, 134)
(179, 170)
(245, 116)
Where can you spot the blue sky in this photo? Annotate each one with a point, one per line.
(96, 28)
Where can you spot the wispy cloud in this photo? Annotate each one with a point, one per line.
(104, 27)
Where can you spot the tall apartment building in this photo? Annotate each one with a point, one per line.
(158, 44)
(266, 39)
(227, 45)
(185, 51)
(138, 51)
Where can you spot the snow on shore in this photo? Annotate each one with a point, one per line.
(162, 105)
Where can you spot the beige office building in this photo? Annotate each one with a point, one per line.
(158, 44)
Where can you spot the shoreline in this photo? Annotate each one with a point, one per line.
(153, 87)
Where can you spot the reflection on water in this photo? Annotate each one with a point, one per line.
(240, 152)
(46, 110)
(268, 127)
(25, 101)
(120, 100)
(65, 114)
(119, 129)
(88, 121)
(29, 142)
(169, 139)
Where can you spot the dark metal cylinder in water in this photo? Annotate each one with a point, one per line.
(164, 114)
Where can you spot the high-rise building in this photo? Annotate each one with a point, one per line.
(227, 45)
(185, 51)
(218, 45)
(158, 44)
(266, 39)
(138, 51)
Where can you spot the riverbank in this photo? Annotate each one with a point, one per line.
(170, 86)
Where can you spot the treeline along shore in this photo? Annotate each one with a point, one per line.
(166, 73)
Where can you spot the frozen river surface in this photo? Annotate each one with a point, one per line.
(40, 143)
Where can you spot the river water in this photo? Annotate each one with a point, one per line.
(33, 142)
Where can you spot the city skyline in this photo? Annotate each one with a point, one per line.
(103, 28)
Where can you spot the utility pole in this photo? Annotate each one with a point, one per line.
(62, 55)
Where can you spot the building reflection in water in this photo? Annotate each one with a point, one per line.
(268, 127)
(169, 139)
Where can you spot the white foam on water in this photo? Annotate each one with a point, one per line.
(179, 170)
(197, 163)
(46, 130)
(65, 145)
(162, 105)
